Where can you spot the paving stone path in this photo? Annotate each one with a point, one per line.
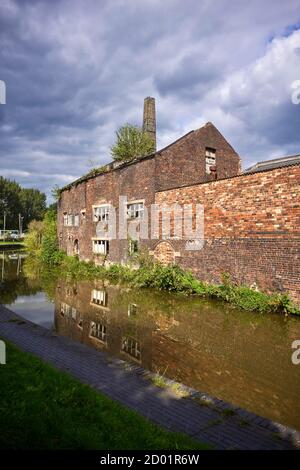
(202, 417)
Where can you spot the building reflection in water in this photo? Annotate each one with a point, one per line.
(241, 357)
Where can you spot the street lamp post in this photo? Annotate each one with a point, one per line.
(4, 224)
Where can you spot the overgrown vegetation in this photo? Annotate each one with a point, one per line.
(43, 408)
(152, 274)
(131, 142)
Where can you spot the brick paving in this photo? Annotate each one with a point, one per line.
(131, 386)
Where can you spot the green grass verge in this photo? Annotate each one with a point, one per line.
(43, 408)
(13, 243)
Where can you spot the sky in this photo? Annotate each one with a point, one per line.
(76, 70)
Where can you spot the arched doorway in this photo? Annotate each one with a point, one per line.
(76, 247)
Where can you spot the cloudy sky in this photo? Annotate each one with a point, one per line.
(75, 70)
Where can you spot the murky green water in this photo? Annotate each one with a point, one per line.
(244, 358)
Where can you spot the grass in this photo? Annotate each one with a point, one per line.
(12, 243)
(43, 408)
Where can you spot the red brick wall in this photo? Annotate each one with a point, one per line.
(135, 181)
(183, 162)
(252, 229)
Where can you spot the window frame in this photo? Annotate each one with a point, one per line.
(138, 211)
(100, 241)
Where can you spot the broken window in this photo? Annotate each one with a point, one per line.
(66, 309)
(135, 210)
(98, 331)
(101, 247)
(132, 347)
(210, 159)
(99, 297)
(101, 213)
(133, 247)
(132, 309)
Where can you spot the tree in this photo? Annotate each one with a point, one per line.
(131, 142)
(14, 200)
(33, 204)
(10, 203)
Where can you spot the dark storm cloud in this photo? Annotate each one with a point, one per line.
(75, 70)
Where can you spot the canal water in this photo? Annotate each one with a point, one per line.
(238, 356)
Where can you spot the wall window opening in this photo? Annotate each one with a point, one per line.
(101, 213)
(98, 331)
(135, 210)
(101, 247)
(210, 159)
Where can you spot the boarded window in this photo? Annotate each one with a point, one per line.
(210, 159)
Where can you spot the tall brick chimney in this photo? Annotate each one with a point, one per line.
(149, 118)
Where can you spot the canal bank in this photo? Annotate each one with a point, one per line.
(209, 423)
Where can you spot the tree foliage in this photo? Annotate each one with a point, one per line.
(14, 200)
(131, 142)
(33, 204)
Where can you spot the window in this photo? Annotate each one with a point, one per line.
(98, 331)
(67, 310)
(99, 297)
(132, 347)
(101, 213)
(101, 247)
(74, 313)
(71, 220)
(133, 247)
(76, 220)
(132, 309)
(210, 159)
(83, 214)
(135, 210)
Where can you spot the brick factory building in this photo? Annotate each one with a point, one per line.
(251, 219)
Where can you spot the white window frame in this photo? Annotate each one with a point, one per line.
(98, 331)
(132, 347)
(135, 209)
(99, 297)
(100, 246)
(65, 219)
(76, 220)
(101, 212)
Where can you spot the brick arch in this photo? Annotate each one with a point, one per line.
(164, 252)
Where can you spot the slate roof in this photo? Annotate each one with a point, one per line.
(274, 163)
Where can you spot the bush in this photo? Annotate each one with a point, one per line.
(50, 253)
